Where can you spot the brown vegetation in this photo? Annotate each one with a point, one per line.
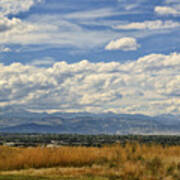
(131, 162)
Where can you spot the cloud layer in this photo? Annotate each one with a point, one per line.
(149, 85)
(124, 44)
(157, 24)
(167, 10)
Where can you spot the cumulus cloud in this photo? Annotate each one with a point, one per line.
(167, 10)
(158, 24)
(124, 44)
(14, 26)
(7, 24)
(149, 85)
(16, 6)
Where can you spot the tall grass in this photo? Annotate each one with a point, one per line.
(132, 161)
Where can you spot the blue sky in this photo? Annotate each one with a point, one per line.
(88, 26)
(42, 34)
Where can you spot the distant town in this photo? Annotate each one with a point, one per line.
(57, 140)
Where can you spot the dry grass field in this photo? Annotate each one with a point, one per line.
(129, 162)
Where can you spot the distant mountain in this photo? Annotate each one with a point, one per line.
(87, 123)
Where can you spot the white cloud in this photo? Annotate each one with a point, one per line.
(16, 6)
(124, 44)
(14, 25)
(131, 6)
(167, 10)
(149, 85)
(7, 24)
(10, 27)
(47, 61)
(4, 49)
(158, 24)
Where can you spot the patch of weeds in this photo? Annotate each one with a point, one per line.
(114, 177)
(170, 170)
(154, 165)
(8, 177)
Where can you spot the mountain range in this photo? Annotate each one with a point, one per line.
(87, 123)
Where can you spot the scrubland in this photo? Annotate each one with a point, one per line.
(124, 162)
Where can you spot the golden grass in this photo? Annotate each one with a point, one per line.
(131, 162)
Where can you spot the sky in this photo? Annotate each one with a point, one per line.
(98, 56)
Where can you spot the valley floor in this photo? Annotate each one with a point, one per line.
(23, 177)
(132, 161)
